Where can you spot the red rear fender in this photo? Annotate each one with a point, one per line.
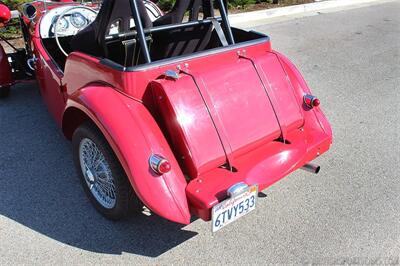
(135, 136)
(300, 87)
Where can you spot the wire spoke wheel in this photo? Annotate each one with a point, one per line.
(103, 179)
(97, 173)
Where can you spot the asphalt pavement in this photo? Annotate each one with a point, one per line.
(347, 214)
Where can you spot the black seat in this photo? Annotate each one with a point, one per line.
(162, 44)
(179, 9)
(91, 40)
(175, 15)
(186, 40)
(207, 8)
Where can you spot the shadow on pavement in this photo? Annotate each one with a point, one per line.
(40, 189)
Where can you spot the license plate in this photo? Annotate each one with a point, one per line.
(233, 208)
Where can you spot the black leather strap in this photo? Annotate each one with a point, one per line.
(130, 52)
(220, 32)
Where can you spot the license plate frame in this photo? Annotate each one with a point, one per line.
(223, 208)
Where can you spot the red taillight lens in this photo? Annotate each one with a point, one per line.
(311, 101)
(164, 167)
(316, 102)
(159, 164)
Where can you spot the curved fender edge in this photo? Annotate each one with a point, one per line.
(300, 86)
(134, 136)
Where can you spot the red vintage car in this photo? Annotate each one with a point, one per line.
(179, 112)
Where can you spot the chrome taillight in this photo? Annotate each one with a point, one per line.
(159, 164)
(311, 101)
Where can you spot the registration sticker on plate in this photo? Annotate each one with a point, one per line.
(233, 208)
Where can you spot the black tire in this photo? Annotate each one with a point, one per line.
(4, 92)
(127, 202)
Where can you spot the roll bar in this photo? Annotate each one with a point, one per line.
(141, 33)
(130, 34)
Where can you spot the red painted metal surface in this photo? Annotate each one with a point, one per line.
(233, 116)
(134, 136)
(210, 116)
(5, 70)
(192, 132)
(48, 74)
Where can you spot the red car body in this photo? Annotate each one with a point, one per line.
(242, 104)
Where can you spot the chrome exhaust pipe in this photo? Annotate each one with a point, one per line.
(313, 168)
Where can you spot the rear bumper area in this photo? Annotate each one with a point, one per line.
(262, 166)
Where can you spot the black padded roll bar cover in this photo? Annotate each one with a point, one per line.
(113, 10)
